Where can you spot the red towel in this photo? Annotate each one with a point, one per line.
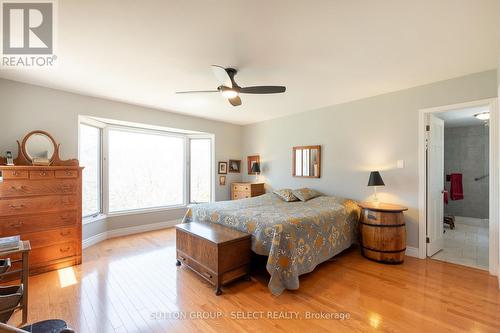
(456, 188)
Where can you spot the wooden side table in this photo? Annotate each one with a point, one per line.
(22, 272)
(383, 232)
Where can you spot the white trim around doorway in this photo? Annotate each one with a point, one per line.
(494, 235)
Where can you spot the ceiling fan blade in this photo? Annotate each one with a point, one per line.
(222, 76)
(196, 91)
(263, 90)
(235, 101)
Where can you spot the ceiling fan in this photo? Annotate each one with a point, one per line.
(231, 90)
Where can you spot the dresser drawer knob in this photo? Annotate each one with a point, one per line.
(15, 173)
(66, 249)
(16, 224)
(65, 188)
(372, 217)
(182, 258)
(68, 173)
(43, 173)
(16, 206)
(20, 188)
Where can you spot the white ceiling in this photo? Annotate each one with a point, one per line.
(326, 52)
(463, 117)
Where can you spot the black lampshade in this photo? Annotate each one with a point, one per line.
(256, 167)
(375, 179)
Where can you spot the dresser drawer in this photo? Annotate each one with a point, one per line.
(66, 174)
(20, 188)
(53, 252)
(240, 195)
(15, 174)
(41, 174)
(35, 205)
(15, 225)
(241, 187)
(51, 237)
(205, 272)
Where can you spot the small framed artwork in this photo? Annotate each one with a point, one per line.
(222, 180)
(251, 161)
(234, 166)
(222, 168)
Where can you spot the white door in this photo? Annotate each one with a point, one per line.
(435, 184)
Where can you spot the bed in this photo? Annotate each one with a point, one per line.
(296, 236)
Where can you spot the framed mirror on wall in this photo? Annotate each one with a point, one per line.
(306, 161)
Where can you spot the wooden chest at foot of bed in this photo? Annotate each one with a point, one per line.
(218, 254)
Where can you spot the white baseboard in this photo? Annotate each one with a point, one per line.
(93, 240)
(127, 231)
(412, 251)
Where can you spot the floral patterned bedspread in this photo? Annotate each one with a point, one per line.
(296, 236)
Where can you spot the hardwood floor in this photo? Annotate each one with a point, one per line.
(131, 284)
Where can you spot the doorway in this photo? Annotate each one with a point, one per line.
(459, 183)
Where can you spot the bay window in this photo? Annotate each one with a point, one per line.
(143, 169)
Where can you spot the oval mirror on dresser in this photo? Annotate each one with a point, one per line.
(39, 145)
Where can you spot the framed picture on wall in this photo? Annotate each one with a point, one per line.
(234, 166)
(222, 180)
(251, 161)
(222, 168)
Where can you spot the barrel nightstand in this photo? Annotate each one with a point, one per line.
(383, 232)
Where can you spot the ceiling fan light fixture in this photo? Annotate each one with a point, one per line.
(483, 115)
(229, 93)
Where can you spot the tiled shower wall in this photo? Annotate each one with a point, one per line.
(466, 151)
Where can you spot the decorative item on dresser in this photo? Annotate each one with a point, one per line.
(43, 204)
(246, 190)
(219, 254)
(383, 232)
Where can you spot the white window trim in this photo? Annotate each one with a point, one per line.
(105, 127)
(93, 123)
(212, 165)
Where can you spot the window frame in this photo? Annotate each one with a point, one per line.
(100, 127)
(105, 127)
(210, 137)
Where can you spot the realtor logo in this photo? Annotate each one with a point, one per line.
(28, 29)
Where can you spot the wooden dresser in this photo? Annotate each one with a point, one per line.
(43, 205)
(246, 190)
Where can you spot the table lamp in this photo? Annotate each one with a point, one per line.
(256, 170)
(375, 181)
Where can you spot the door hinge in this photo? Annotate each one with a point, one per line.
(428, 128)
(427, 240)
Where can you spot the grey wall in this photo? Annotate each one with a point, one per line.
(25, 107)
(364, 135)
(466, 151)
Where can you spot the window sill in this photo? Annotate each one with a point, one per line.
(147, 210)
(93, 219)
